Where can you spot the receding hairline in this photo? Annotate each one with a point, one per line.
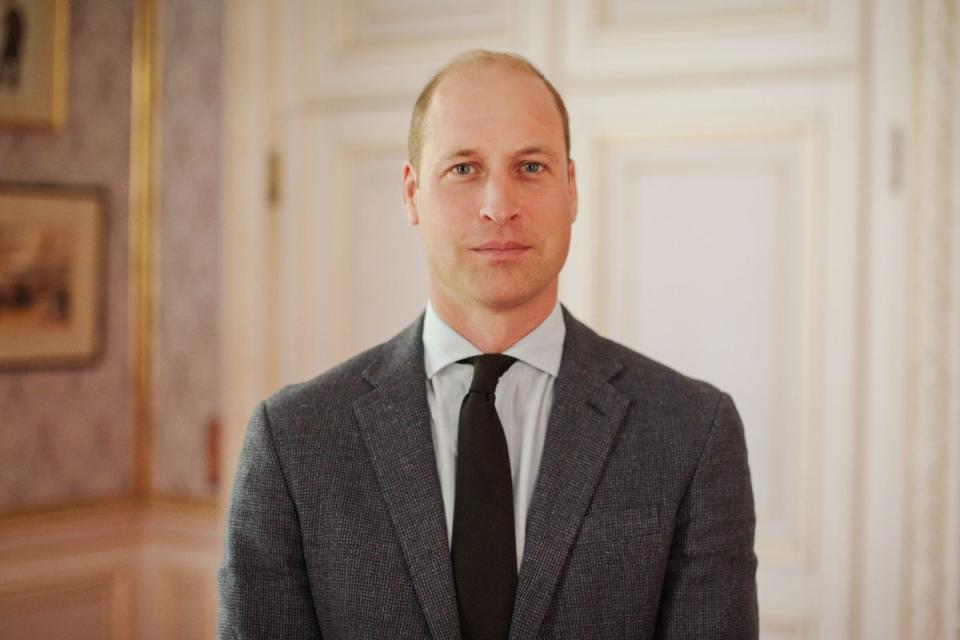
(475, 58)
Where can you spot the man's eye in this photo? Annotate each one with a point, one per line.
(462, 169)
(532, 167)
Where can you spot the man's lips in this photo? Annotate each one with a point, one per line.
(500, 246)
(500, 250)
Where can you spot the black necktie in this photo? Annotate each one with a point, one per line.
(484, 545)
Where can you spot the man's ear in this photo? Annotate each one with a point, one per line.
(572, 186)
(410, 194)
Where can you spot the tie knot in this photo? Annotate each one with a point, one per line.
(487, 370)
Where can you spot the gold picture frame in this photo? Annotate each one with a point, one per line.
(34, 37)
(52, 275)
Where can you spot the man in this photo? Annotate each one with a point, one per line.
(566, 488)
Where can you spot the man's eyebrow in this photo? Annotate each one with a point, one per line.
(462, 153)
(529, 151)
(526, 151)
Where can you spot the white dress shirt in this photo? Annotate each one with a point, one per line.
(524, 398)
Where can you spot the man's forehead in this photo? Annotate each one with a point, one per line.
(447, 142)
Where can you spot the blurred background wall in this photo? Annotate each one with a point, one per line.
(768, 200)
(46, 459)
(109, 468)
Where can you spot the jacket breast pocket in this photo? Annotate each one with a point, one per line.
(620, 524)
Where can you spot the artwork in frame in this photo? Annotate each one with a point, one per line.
(52, 279)
(33, 62)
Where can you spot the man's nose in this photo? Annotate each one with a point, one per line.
(499, 200)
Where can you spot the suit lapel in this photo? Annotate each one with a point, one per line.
(586, 416)
(394, 421)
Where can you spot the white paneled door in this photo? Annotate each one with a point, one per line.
(745, 173)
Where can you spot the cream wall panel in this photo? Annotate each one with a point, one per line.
(617, 39)
(92, 605)
(930, 583)
(718, 233)
(369, 23)
(388, 283)
(188, 600)
(111, 573)
(351, 271)
(178, 562)
(775, 627)
(952, 614)
(339, 49)
(888, 97)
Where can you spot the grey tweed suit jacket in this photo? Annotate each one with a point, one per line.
(641, 524)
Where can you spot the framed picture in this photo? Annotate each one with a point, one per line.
(33, 62)
(52, 276)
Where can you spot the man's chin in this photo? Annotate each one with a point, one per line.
(507, 299)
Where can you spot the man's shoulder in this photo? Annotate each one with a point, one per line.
(666, 408)
(641, 377)
(333, 382)
(635, 371)
(347, 381)
(652, 373)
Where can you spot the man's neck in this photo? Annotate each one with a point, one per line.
(494, 330)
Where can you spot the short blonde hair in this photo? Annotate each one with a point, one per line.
(415, 138)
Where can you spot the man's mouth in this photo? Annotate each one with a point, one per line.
(499, 249)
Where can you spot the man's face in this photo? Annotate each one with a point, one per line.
(495, 195)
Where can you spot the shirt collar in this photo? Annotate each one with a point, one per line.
(542, 348)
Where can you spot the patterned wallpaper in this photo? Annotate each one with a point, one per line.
(67, 434)
(186, 352)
